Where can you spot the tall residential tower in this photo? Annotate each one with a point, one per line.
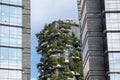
(100, 34)
(14, 39)
(60, 52)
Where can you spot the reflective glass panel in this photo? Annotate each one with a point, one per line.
(114, 62)
(15, 2)
(10, 75)
(112, 5)
(11, 15)
(113, 21)
(113, 41)
(10, 36)
(114, 76)
(10, 58)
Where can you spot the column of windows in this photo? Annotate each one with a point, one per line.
(112, 8)
(11, 40)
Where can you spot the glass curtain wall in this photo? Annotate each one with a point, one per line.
(10, 39)
(112, 12)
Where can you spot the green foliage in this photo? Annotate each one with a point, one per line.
(53, 58)
(56, 40)
(65, 26)
(71, 75)
(74, 52)
(54, 63)
(48, 53)
(54, 76)
(69, 24)
(61, 60)
(66, 69)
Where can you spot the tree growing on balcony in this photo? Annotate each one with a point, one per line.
(60, 52)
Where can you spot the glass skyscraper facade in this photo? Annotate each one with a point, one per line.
(112, 14)
(100, 35)
(11, 40)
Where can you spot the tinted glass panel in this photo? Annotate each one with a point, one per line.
(10, 36)
(10, 58)
(113, 21)
(11, 15)
(112, 5)
(113, 41)
(15, 2)
(10, 75)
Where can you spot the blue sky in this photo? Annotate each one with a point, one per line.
(44, 12)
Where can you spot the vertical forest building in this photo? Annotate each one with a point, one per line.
(60, 52)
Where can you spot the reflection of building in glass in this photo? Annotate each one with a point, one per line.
(14, 40)
(100, 32)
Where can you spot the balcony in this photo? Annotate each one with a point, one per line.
(40, 51)
(78, 48)
(58, 66)
(70, 79)
(45, 76)
(66, 61)
(54, 34)
(68, 46)
(75, 57)
(54, 76)
(44, 43)
(75, 73)
(56, 50)
(65, 30)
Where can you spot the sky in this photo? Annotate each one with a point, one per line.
(44, 12)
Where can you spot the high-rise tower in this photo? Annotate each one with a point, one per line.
(112, 32)
(100, 34)
(14, 39)
(59, 48)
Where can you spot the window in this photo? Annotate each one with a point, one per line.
(11, 15)
(112, 5)
(114, 76)
(114, 62)
(10, 75)
(114, 65)
(85, 51)
(10, 36)
(113, 41)
(16, 2)
(113, 21)
(10, 58)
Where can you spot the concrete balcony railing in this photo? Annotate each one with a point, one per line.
(65, 30)
(56, 50)
(66, 61)
(58, 66)
(44, 43)
(78, 48)
(75, 73)
(68, 46)
(75, 57)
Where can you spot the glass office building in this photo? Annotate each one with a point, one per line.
(112, 18)
(14, 34)
(100, 34)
